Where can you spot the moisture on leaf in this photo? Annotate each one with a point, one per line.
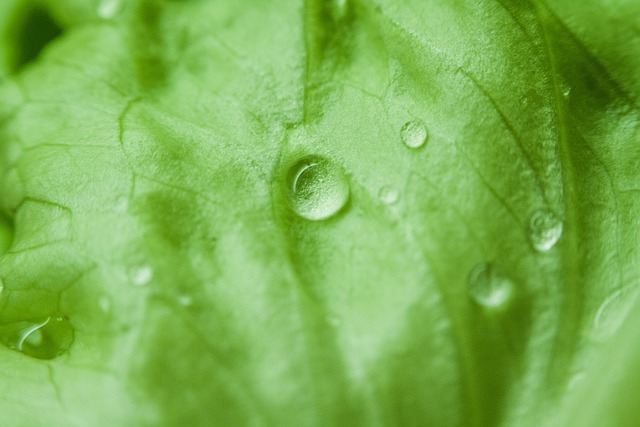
(319, 213)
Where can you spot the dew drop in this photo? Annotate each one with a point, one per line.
(44, 339)
(414, 134)
(316, 188)
(488, 286)
(545, 229)
(388, 195)
(140, 276)
(613, 311)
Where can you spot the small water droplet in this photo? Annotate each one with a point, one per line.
(488, 286)
(108, 9)
(44, 339)
(140, 276)
(563, 85)
(545, 229)
(316, 188)
(613, 311)
(414, 134)
(388, 195)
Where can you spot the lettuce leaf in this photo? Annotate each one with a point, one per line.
(339, 212)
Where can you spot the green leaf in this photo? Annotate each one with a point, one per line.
(316, 213)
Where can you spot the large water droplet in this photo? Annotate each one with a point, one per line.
(613, 311)
(488, 286)
(414, 134)
(388, 195)
(545, 229)
(316, 188)
(44, 339)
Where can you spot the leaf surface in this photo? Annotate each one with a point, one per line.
(463, 254)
